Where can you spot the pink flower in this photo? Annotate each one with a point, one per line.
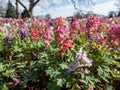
(61, 30)
(46, 35)
(114, 31)
(114, 34)
(92, 22)
(74, 29)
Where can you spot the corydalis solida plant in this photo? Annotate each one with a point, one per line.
(61, 30)
(92, 24)
(81, 60)
(74, 28)
(34, 34)
(23, 33)
(8, 38)
(64, 46)
(62, 40)
(114, 34)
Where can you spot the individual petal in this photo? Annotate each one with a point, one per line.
(16, 81)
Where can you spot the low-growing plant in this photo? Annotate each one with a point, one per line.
(58, 54)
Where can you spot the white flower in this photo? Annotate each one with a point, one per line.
(80, 60)
(86, 60)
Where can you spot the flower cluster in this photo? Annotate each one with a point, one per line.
(114, 31)
(23, 33)
(64, 46)
(34, 34)
(46, 35)
(80, 60)
(8, 38)
(75, 28)
(61, 30)
(49, 45)
(92, 22)
(114, 34)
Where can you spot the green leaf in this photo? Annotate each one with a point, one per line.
(5, 87)
(109, 88)
(9, 73)
(52, 86)
(63, 66)
(68, 84)
(21, 65)
(50, 72)
(20, 55)
(1, 67)
(117, 63)
(115, 73)
(17, 49)
(60, 82)
(116, 57)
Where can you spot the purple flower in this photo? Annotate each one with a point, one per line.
(80, 60)
(75, 64)
(23, 33)
(52, 23)
(73, 19)
(8, 38)
(16, 81)
(73, 67)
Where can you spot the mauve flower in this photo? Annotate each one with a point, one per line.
(73, 67)
(75, 64)
(52, 22)
(78, 55)
(80, 60)
(73, 19)
(23, 33)
(16, 81)
(8, 38)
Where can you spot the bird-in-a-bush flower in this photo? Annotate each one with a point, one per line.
(92, 24)
(64, 46)
(23, 33)
(34, 34)
(46, 35)
(16, 81)
(61, 30)
(114, 31)
(8, 38)
(80, 60)
(75, 28)
(114, 34)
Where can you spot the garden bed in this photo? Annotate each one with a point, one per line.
(60, 54)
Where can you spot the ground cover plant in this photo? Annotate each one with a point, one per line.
(60, 53)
